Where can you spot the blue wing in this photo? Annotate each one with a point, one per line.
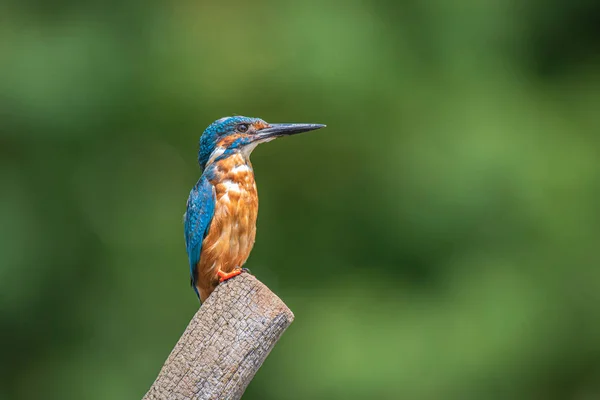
(197, 218)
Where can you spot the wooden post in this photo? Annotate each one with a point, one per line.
(225, 343)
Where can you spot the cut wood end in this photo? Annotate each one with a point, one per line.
(225, 343)
(247, 288)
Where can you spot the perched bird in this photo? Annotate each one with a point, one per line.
(221, 211)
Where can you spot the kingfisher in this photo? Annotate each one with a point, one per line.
(221, 211)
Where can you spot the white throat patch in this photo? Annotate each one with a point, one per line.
(216, 153)
(247, 150)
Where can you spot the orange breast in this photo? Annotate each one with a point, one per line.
(230, 237)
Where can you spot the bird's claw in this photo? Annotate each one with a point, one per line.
(223, 276)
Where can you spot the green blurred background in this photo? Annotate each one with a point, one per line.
(437, 241)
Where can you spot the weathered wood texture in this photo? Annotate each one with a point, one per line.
(225, 343)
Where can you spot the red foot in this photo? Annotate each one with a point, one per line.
(223, 276)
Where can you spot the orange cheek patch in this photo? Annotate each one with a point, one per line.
(260, 125)
(228, 140)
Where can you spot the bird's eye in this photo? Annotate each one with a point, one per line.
(242, 128)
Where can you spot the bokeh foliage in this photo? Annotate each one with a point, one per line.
(437, 241)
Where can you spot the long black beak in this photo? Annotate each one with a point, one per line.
(278, 130)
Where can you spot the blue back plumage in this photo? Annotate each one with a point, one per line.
(198, 215)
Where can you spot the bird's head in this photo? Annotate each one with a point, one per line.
(243, 134)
